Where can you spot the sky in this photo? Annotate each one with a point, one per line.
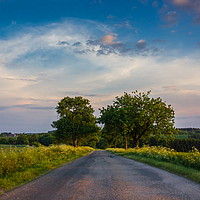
(97, 49)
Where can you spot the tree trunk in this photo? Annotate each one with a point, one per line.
(75, 143)
(136, 143)
(126, 144)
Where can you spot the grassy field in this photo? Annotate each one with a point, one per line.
(9, 148)
(19, 165)
(184, 164)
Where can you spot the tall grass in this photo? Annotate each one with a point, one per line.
(190, 159)
(184, 164)
(17, 166)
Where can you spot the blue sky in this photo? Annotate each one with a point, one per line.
(97, 49)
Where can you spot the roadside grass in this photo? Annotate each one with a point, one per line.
(18, 167)
(175, 162)
(8, 148)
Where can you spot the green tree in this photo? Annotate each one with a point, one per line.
(76, 120)
(111, 132)
(139, 116)
(4, 140)
(33, 138)
(46, 139)
(22, 139)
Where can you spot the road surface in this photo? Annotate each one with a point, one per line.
(104, 176)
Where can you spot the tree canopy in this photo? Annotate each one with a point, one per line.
(136, 116)
(76, 120)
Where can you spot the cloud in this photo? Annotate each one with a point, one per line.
(64, 43)
(170, 18)
(157, 40)
(141, 44)
(18, 79)
(181, 2)
(93, 42)
(109, 39)
(190, 6)
(111, 17)
(81, 94)
(170, 88)
(41, 66)
(77, 44)
(187, 5)
(171, 11)
(173, 31)
(125, 24)
(26, 106)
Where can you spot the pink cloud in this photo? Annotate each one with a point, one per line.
(110, 39)
(189, 5)
(181, 2)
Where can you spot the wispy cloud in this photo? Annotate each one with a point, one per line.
(42, 65)
(19, 79)
(171, 18)
(191, 6)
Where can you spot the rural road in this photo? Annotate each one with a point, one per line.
(104, 176)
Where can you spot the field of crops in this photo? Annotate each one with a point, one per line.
(20, 164)
(190, 159)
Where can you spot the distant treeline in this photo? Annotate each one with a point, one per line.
(180, 145)
(190, 132)
(184, 142)
(29, 139)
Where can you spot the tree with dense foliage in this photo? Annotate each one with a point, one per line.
(22, 139)
(112, 132)
(76, 120)
(33, 139)
(137, 116)
(46, 139)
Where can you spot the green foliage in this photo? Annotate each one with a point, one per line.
(8, 140)
(22, 139)
(184, 145)
(190, 132)
(4, 140)
(180, 145)
(33, 139)
(136, 116)
(29, 139)
(46, 139)
(17, 166)
(76, 121)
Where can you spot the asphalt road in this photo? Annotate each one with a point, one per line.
(104, 176)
